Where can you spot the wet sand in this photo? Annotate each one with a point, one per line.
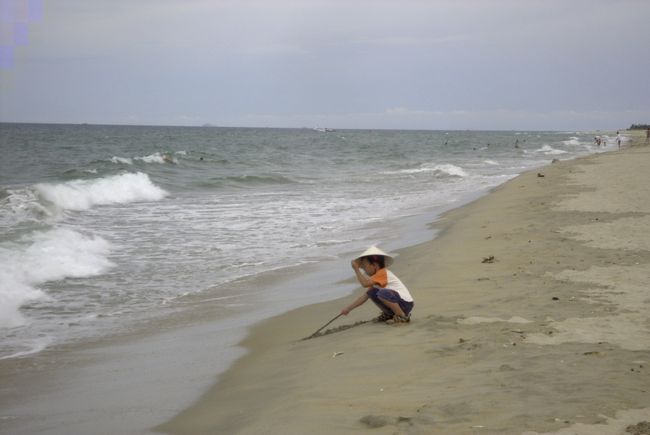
(551, 335)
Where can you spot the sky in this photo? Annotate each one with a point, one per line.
(371, 64)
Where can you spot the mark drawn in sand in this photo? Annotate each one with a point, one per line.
(337, 329)
(477, 319)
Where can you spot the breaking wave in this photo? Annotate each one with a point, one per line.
(85, 194)
(45, 256)
(438, 170)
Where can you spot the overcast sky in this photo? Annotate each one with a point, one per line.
(406, 64)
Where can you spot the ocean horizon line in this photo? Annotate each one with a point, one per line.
(315, 128)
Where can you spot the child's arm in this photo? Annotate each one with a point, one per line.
(359, 301)
(364, 279)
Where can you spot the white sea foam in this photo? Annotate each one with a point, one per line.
(117, 189)
(13, 294)
(21, 205)
(549, 150)
(123, 160)
(443, 169)
(151, 158)
(449, 169)
(47, 256)
(156, 158)
(572, 141)
(27, 347)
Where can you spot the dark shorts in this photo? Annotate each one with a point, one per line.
(375, 293)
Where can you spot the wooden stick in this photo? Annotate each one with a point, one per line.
(323, 327)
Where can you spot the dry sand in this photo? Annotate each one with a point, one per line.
(553, 336)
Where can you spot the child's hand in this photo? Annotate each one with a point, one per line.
(345, 311)
(355, 263)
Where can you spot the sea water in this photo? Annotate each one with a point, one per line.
(104, 228)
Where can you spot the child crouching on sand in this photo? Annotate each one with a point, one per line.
(382, 287)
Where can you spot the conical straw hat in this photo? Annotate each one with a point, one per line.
(373, 250)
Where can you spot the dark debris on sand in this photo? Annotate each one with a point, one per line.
(642, 428)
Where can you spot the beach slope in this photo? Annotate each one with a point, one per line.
(530, 317)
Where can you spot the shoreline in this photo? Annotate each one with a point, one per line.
(497, 347)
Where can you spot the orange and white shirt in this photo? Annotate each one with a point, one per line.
(384, 278)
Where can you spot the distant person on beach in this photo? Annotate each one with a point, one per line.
(619, 139)
(647, 135)
(382, 287)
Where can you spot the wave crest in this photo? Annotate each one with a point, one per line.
(117, 189)
(549, 150)
(572, 141)
(445, 169)
(160, 158)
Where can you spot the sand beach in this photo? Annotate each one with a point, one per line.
(530, 317)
